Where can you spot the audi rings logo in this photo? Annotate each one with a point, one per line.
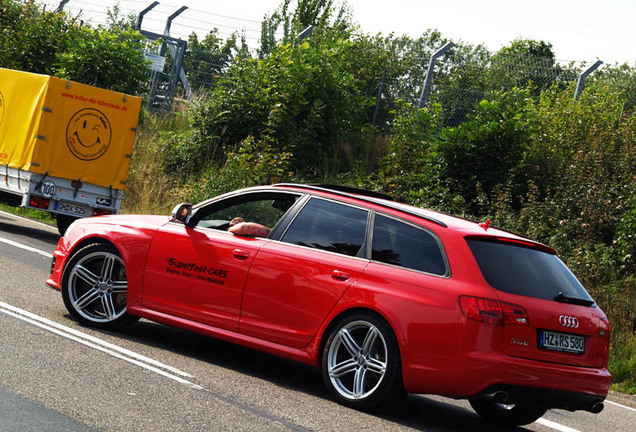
(568, 321)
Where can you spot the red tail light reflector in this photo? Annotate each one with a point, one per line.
(101, 212)
(605, 328)
(493, 312)
(39, 202)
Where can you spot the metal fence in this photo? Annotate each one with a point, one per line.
(179, 68)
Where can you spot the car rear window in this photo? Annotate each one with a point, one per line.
(525, 271)
(404, 245)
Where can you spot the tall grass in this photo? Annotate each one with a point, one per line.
(151, 188)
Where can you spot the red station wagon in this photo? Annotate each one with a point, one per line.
(383, 297)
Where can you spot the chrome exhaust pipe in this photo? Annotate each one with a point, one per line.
(498, 396)
(596, 407)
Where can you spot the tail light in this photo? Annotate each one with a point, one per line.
(39, 202)
(493, 312)
(101, 212)
(604, 328)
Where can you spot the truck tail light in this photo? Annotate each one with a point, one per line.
(493, 312)
(101, 212)
(39, 202)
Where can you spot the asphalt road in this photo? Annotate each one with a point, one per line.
(56, 375)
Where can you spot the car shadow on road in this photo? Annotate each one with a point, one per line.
(418, 412)
(31, 232)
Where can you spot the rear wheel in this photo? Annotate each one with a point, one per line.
(510, 415)
(361, 362)
(95, 287)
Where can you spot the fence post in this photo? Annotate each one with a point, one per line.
(377, 100)
(581, 80)
(303, 34)
(429, 73)
(140, 17)
(60, 7)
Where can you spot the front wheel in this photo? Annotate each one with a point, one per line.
(509, 415)
(95, 287)
(361, 362)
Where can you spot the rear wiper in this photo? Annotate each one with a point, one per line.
(562, 298)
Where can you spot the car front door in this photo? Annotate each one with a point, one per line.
(198, 272)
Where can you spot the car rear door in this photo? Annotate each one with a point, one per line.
(294, 282)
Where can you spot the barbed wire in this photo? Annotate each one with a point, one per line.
(203, 64)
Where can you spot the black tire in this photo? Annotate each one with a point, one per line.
(360, 362)
(509, 415)
(63, 222)
(95, 287)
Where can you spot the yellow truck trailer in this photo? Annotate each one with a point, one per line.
(65, 147)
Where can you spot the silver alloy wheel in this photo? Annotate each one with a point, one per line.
(98, 287)
(357, 360)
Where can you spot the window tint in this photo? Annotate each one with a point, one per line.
(329, 226)
(402, 244)
(265, 208)
(524, 271)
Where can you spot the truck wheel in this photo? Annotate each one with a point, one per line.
(63, 222)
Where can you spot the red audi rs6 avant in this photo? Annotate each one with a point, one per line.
(383, 297)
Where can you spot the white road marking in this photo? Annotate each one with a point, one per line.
(556, 426)
(98, 344)
(620, 405)
(25, 247)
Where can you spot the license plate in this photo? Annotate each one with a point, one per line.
(71, 209)
(562, 342)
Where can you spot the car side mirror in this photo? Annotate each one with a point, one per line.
(182, 213)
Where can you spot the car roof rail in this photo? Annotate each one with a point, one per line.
(364, 195)
(340, 188)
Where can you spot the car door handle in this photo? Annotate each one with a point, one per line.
(340, 275)
(240, 254)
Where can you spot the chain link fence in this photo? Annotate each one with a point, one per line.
(457, 82)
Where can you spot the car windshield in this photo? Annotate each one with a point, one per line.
(525, 271)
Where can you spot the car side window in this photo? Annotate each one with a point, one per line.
(329, 226)
(262, 208)
(405, 245)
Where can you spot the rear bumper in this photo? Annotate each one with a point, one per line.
(477, 375)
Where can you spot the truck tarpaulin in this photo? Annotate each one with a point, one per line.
(66, 129)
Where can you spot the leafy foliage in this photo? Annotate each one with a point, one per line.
(206, 60)
(40, 41)
(111, 59)
(30, 37)
(307, 99)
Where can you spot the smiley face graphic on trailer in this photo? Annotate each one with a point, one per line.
(88, 134)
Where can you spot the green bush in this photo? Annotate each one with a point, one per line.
(30, 37)
(111, 59)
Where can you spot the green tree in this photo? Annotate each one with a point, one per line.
(206, 60)
(318, 13)
(111, 59)
(30, 37)
(307, 98)
(489, 148)
(528, 63)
